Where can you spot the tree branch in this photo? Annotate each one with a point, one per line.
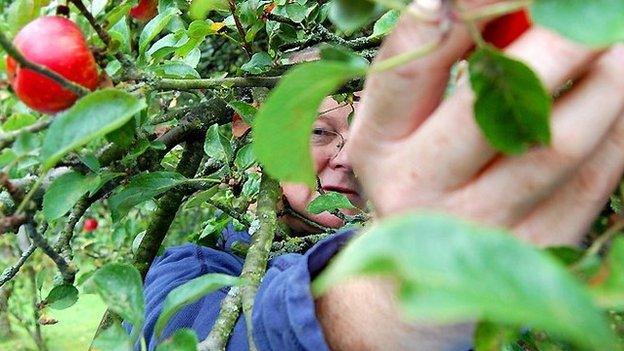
(68, 271)
(226, 320)
(24, 63)
(258, 255)
(10, 272)
(190, 84)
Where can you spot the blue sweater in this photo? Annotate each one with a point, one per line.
(283, 317)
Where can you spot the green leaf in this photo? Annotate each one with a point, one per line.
(260, 62)
(492, 337)
(117, 13)
(114, 338)
(610, 292)
(330, 201)
(121, 288)
(245, 157)
(296, 12)
(190, 292)
(245, 110)
(182, 340)
(351, 15)
(18, 121)
(21, 12)
(448, 270)
(62, 296)
(512, 106)
(91, 117)
(154, 27)
(386, 23)
(175, 69)
(142, 188)
(217, 145)
(65, 192)
(598, 23)
(283, 126)
(201, 8)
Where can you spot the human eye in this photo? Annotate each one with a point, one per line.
(321, 136)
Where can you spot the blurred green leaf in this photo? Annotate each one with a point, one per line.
(190, 292)
(448, 270)
(512, 106)
(114, 338)
(597, 23)
(121, 288)
(351, 15)
(91, 117)
(65, 192)
(18, 121)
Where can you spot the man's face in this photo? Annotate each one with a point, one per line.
(332, 166)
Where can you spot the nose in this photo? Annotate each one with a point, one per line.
(341, 160)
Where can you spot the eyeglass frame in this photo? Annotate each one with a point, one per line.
(341, 144)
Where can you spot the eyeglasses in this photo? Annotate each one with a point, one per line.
(327, 141)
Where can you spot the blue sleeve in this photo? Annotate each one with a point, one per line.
(284, 316)
(176, 267)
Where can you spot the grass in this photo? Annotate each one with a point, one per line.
(73, 332)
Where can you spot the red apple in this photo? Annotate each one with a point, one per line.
(504, 30)
(145, 10)
(90, 224)
(56, 43)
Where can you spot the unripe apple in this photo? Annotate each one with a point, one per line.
(145, 10)
(90, 224)
(56, 43)
(504, 30)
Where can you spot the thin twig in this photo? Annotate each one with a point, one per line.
(24, 63)
(68, 271)
(10, 272)
(240, 28)
(230, 212)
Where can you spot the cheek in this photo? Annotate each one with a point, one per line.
(319, 159)
(298, 196)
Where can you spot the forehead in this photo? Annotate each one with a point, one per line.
(334, 112)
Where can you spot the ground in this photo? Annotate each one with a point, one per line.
(74, 331)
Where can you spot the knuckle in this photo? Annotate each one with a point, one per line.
(590, 185)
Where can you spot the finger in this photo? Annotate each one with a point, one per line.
(460, 148)
(395, 102)
(566, 216)
(581, 120)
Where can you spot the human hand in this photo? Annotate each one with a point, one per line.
(413, 150)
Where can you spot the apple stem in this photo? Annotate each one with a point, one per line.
(12, 51)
